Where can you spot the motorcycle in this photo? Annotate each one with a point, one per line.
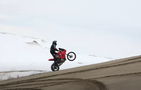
(61, 57)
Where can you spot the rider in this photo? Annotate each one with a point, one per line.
(53, 49)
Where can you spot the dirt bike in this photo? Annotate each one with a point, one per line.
(61, 57)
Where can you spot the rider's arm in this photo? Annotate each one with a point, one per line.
(55, 48)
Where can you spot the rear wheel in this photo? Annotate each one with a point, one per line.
(71, 56)
(54, 67)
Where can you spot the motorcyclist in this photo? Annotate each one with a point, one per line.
(53, 49)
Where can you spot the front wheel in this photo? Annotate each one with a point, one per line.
(54, 67)
(71, 56)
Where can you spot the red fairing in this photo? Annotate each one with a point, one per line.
(62, 54)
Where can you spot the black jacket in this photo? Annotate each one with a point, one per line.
(53, 49)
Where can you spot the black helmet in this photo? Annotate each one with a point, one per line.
(54, 42)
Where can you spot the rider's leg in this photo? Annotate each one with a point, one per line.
(55, 57)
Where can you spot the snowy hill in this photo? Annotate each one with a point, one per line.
(17, 74)
(29, 54)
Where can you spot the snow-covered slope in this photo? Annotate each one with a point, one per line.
(20, 53)
(18, 73)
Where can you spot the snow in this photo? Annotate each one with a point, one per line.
(16, 74)
(93, 30)
(28, 54)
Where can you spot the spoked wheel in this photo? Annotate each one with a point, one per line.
(71, 56)
(54, 67)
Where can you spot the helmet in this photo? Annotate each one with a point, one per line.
(54, 42)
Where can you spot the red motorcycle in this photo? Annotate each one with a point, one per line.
(61, 57)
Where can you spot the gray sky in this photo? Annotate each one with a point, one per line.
(109, 28)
